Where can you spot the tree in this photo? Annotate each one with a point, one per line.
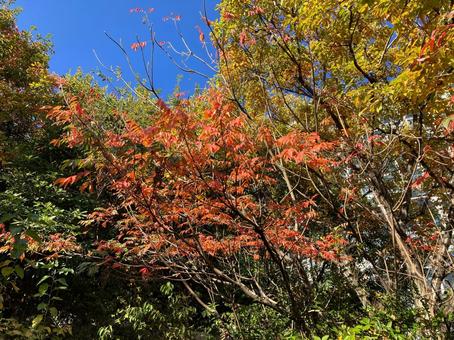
(374, 76)
(25, 84)
(323, 153)
(37, 219)
(195, 198)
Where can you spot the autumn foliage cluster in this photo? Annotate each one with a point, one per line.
(308, 187)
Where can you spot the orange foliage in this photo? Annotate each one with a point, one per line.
(197, 187)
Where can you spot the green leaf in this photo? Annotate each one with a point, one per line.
(5, 218)
(44, 278)
(447, 121)
(53, 311)
(19, 271)
(62, 281)
(7, 271)
(42, 306)
(20, 246)
(5, 263)
(37, 320)
(42, 289)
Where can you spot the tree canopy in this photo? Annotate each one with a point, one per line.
(305, 193)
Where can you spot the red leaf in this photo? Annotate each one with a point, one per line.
(418, 182)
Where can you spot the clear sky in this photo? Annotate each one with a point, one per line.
(77, 28)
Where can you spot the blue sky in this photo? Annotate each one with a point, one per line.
(77, 28)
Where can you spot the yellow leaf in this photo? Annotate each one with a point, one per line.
(37, 320)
